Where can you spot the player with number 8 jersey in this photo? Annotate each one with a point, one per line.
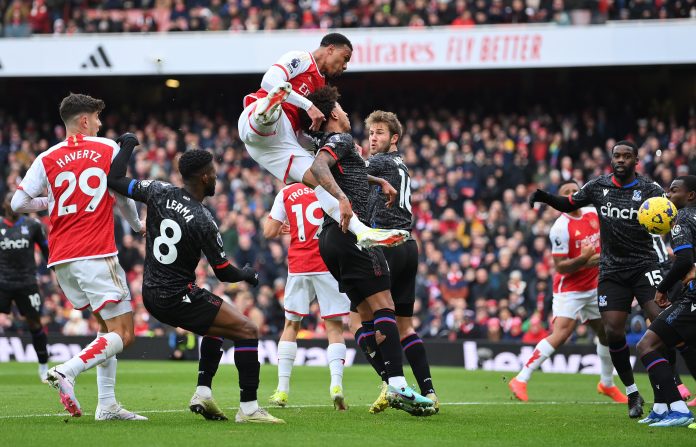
(179, 228)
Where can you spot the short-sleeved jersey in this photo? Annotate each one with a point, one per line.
(390, 166)
(79, 205)
(178, 229)
(298, 205)
(568, 235)
(302, 73)
(349, 171)
(625, 244)
(17, 243)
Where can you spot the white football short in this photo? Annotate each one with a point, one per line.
(573, 305)
(98, 283)
(278, 152)
(301, 290)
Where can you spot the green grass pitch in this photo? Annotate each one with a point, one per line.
(476, 410)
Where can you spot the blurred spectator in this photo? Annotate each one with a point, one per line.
(76, 325)
(637, 327)
(536, 331)
(17, 20)
(39, 17)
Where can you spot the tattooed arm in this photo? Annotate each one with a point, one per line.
(321, 168)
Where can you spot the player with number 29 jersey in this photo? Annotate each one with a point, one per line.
(79, 206)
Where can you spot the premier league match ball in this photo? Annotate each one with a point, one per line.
(657, 215)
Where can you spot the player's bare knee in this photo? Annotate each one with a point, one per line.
(405, 326)
(649, 342)
(644, 346)
(292, 325)
(557, 338)
(602, 337)
(354, 322)
(127, 337)
(615, 335)
(249, 331)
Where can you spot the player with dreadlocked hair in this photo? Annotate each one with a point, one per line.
(179, 227)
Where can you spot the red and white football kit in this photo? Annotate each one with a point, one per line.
(82, 249)
(575, 294)
(278, 151)
(308, 276)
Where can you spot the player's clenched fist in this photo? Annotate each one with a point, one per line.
(129, 139)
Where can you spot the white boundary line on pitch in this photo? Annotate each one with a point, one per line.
(325, 406)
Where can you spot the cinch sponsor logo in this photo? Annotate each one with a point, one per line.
(9, 244)
(618, 213)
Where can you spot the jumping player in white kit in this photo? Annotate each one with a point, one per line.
(270, 123)
(308, 277)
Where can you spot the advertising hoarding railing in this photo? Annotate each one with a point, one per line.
(470, 355)
(398, 49)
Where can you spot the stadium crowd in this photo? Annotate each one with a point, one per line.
(485, 270)
(22, 18)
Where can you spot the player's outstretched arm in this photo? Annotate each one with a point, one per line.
(117, 180)
(387, 189)
(289, 66)
(212, 247)
(229, 273)
(561, 203)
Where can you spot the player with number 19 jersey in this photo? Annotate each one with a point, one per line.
(298, 204)
(308, 276)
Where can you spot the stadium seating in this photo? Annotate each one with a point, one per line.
(24, 17)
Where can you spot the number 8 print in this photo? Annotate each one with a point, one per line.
(169, 241)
